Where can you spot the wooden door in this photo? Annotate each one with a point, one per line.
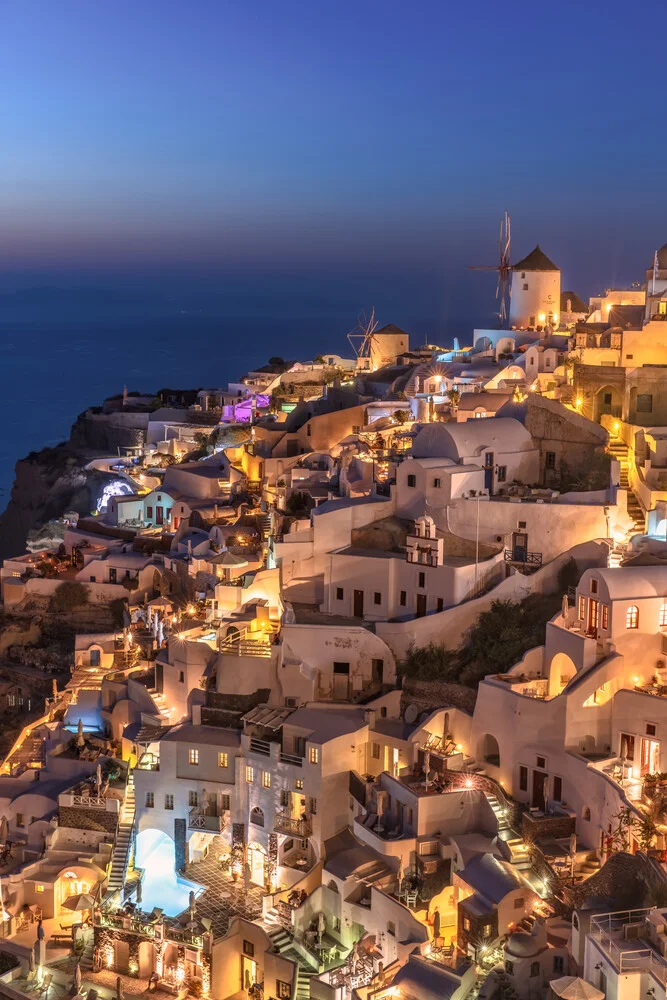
(538, 790)
(421, 605)
(358, 604)
(159, 515)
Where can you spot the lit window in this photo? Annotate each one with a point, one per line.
(250, 775)
(663, 616)
(266, 779)
(223, 760)
(314, 755)
(632, 617)
(582, 608)
(194, 756)
(39, 888)
(298, 784)
(605, 616)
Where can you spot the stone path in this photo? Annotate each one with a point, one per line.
(223, 899)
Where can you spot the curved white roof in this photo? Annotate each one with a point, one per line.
(627, 583)
(503, 434)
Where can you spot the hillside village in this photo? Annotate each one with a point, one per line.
(351, 681)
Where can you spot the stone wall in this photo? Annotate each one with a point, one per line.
(551, 827)
(88, 819)
(427, 695)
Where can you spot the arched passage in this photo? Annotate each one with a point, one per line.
(561, 670)
(490, 750)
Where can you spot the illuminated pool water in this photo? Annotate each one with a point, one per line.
(161, 886)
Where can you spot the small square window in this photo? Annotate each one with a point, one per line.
(650, 729)
(541, 762)
(39, 888)
(298, 784)
(223, 759)
(391, 928)
(412, 481)
(249, 949)
(436, 484)
(339, 593)
(519, 903)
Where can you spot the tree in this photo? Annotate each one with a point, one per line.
(68, 596)
(276, 361)
(299, 504)
(454, 396)
(402, 416)
(318, 360)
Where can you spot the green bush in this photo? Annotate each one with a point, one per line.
(68, 596)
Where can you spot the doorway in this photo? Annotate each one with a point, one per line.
(358, 604)
(341, 681)
(159, 515)
(519, 547)
(421, 606)
(256, 855)
(488, 471)
(650, 759)
(593, 615)
(248, 972)
(539, 781)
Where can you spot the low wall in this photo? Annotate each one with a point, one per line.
(448, 627)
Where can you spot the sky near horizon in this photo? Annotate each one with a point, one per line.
(329, 138)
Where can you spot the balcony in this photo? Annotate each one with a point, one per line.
(291, 758)
(523, 558)
(262, 747)
(198, 820)
(285, 823)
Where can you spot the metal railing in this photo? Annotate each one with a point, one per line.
(90, 801)
(291, 758)
(627, 927)
(285, 823)
(262, 747)
(526, 558)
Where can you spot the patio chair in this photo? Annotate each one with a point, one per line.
(43, 990)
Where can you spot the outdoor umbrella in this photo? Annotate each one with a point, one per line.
(573, 988)
(82, 901)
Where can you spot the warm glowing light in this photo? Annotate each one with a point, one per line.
(608, 307)
(533, 387)
(579, 401)
(542, 317)
(459, 746)
(109, 957)
(180, 975)
(555, 317)
(468, 782)
(635, 680)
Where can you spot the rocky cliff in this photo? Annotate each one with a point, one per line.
(49, 482)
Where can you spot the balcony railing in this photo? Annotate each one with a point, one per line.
(295, 827)
(291, 758)
(523, 558)
(260, 746)
(198, 820)
(240, 644)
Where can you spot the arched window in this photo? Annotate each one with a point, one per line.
(662, 621)
(586, 814)
(632, 617)
(257, 816)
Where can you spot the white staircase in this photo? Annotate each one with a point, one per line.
(500, 814)
(121, 850)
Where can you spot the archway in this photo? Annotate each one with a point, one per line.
(161, 886)
(257, 862)
(490, 750)
(608, 400)
(257, 816)
(561, 671)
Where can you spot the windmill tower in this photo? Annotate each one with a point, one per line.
(503, 267)
(362, 338)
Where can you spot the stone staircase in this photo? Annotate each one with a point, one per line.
(619, 453)
(86, 960)
(589, 866)
(503, 825)
(121, 851)
(518, 851)
(264, 525)
(281, 942)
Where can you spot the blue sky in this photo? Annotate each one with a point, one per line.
(329, 139)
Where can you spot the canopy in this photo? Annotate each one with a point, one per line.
(573, 988)
(80, 902)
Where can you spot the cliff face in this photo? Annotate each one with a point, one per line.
(55, 480)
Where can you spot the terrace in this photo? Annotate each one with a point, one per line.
(634, 941)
